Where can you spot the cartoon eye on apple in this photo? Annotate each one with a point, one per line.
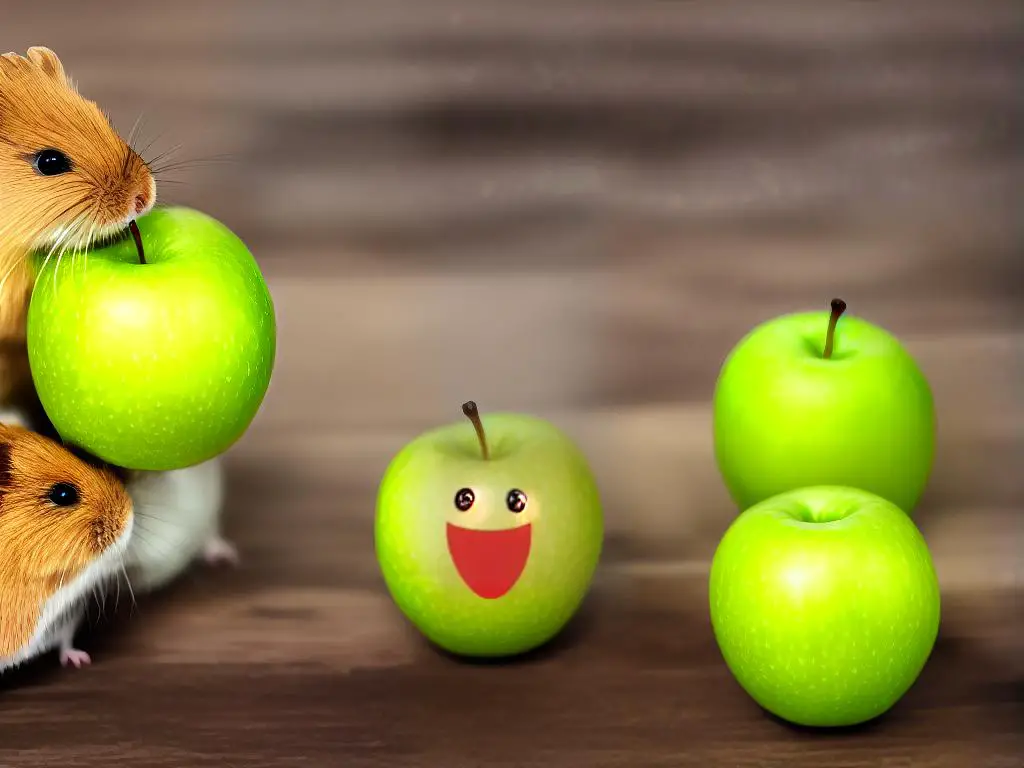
(488, 533)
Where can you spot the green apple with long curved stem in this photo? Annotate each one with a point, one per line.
(825, 604)
(823, 399)
(154, 357)
(488, 532)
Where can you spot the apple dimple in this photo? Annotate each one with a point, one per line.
(820, 507)
(829, 513)
(814, 344)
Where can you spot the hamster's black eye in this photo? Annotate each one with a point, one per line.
(51, 162)
(464, 499)
(515, 501)
(63, 494)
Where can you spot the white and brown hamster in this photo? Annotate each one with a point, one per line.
(65, 524)
(177, 517)
(67, 180)
(178, 521)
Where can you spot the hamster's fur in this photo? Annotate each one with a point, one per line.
(65, 525)
(67, 180)
(177, 519)
(177, 522)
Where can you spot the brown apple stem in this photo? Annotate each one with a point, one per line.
(134, 227)
(838, 307)
(473, 414)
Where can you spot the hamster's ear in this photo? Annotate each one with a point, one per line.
(12, 65)
(47, 61)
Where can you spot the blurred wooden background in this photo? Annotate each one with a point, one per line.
(576, 208)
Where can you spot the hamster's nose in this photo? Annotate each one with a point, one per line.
(141, 202)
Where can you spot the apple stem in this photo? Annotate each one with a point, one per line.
(838, 307)
(134, 227)
(473, 414)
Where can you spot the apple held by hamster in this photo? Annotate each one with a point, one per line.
(67, 180)
(157, 354)
(65, 524)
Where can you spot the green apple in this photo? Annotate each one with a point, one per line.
(488, 542)
(809, 399)
(160, 363)
(825, 604)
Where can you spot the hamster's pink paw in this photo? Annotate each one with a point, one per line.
(220, 551)
(75, 657)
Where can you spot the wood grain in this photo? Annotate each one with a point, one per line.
(224, 672)
(571, 208)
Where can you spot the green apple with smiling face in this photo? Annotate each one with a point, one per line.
(812, 399)
(155, 354)
(488, 533)
(825, 604)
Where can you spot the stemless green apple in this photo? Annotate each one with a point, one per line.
(488, 542)
(156, 358)
(809, 399)
(825, 604)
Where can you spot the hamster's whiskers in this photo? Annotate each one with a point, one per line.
(157, 542)
(130, 141)
(164, 163)
(150, 504)
(56, 245)
(73, 554)
(75, 239)
(151, 163)
(52, 237)
(3, 281)
(42, 236)
(81, 248)
(158, 166)
(128, 583)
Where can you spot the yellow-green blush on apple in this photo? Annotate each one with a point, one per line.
(488, 533)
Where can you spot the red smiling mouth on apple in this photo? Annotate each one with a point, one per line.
(490, 562)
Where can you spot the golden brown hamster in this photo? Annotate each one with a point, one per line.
(176, 518)
(65, 524)
(67, 180)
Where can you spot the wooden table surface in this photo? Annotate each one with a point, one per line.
(620, 190)
(230, 671)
